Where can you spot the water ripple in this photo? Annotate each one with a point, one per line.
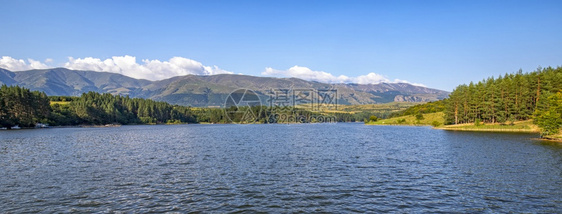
(341, 168)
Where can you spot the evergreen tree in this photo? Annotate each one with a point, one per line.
(549, 118)
(509, 97)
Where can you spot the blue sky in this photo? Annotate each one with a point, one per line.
(440, 44)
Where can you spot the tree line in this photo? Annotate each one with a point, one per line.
(511, 97)
(96, 108)
(20, 106)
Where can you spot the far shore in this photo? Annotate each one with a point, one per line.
(136, 124)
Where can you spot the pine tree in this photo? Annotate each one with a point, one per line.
(509, 97)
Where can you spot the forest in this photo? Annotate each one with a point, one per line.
(20, 106)
(511, 97)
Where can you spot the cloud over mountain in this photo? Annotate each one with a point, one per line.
(180, 66)
(126, 65)
(147, 69)
(325, 77)
(12, 64)
(306, 74)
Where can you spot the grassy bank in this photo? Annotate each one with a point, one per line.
(411, 120)
(519, 126)
(436, 120)
(383, 107)
(526, 126)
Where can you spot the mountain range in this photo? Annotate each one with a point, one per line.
(195, 90)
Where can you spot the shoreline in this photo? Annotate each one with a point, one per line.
(462, 129)
(156, 124)
(96, 126)
(552, 140)
(467, 129)
(458, 128)
(373, 124)
(488, 130)
(528, 131)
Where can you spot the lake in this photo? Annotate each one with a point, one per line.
(341, 168)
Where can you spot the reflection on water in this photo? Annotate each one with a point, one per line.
(276, 168)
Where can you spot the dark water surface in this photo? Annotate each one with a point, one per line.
(276, 168)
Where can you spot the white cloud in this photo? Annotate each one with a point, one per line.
(179, 66)
(370, 78)
(321, 76)
(126, 65)
(306, 74)
(12, 64)
(405, 81)
(148, 69)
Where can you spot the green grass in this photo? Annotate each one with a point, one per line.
(60, 102)
(518, 126)
(411, 120)
(372, 109)
(394, 106)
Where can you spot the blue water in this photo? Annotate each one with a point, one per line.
(341, 168)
